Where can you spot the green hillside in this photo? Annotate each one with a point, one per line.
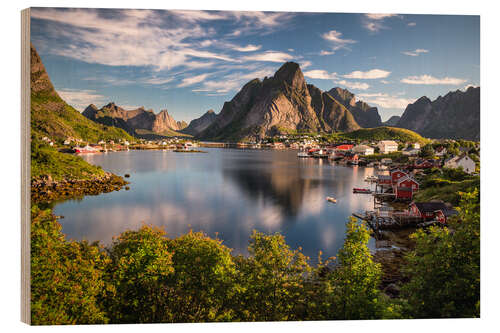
(46, 160)
(53, 117)
(385, 133)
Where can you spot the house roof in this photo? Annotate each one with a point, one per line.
(405, 178)
(388, 142)
(433, 206)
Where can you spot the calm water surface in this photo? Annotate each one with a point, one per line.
(228, 192)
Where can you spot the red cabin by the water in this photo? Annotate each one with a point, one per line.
(405, 187)
(396, 175)
(344, 147)
(432, 211)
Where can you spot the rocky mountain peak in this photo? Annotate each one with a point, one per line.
(291, 74)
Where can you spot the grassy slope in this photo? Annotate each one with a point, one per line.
(445, 184)
(47, 161)
(386, 133)
(168, 133)
(53, 117)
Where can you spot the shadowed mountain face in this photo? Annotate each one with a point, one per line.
(279, 104)
(51, 116)
(393, 121)
(198, 125)
(456, 115)
(365, 115)
(133, 120)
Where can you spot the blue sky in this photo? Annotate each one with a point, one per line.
(191, 61)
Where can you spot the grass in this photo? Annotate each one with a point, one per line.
(445, 184)
(48, 161)
(385, 133)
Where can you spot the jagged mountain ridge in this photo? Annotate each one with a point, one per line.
(455, 115)
(284, 102)
(393, 121)
(198, 125)
(364, 114)
(133, 120)
(51, 116)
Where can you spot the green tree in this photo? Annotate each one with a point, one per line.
(271, 280)
(443, 270)
(140, 268)
(203, 280)
(427, 151)
(355, 281)
(67, 281)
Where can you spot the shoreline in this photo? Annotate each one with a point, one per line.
(46, 190)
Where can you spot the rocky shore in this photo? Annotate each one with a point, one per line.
(44, 189)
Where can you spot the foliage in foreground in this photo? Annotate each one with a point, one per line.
(145, 277)
(444, 269)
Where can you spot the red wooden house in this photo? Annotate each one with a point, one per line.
(384, 180)
(423, 164)
(429, 211)
(397, 174)
(344, 147)
(404, 188)
(351, 158)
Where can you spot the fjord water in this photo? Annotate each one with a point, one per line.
(225, 193)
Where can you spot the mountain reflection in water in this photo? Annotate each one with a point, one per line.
(228, 192)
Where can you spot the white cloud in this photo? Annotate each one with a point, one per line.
(320, 74)
(384, 81)
(385, 100)
(248, 48)
(374, 22)
(412, 24)
(128, 38)
(335, 37)
(415, 53)
(188, 81)
(219, 87)
(80, 99)
(324, 53)
(371, 74)
(354, 85)
(157, 80)
(199, 15)
(379, 16)
(304, 64)
(430, 80)
(269, 56)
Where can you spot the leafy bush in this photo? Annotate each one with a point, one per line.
(67, 278)
(443, 270)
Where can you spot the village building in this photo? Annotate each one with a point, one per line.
(386, 161)
(440, 151)
(410, 151)
(415, 145)
(387, 146)
(351, 158)
(405, 187)
(463, 161)
(363, 150)
(429, 211)
(423, 164)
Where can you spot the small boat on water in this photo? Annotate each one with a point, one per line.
(331, 199)
(361, 190)
(302, 154)
(86, 150)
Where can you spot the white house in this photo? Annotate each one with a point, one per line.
(463, 161)
(387, 146)
(416, 145)
(363, 150)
